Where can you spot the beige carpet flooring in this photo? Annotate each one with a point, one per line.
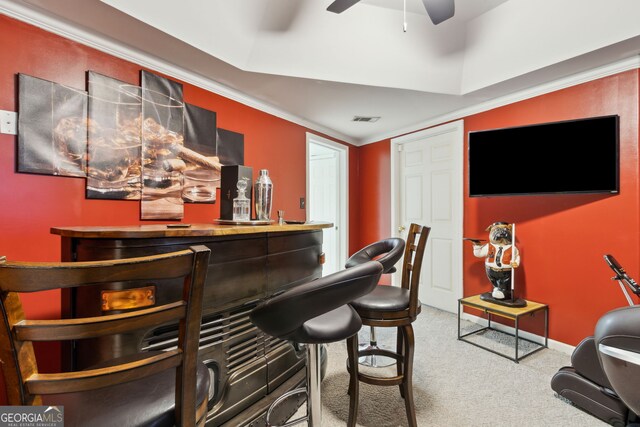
(456, 383)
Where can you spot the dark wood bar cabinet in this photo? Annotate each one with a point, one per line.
(248, 264)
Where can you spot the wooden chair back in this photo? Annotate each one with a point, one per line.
(25, 385)
(412, 264)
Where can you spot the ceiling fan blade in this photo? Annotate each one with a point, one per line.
(439, 10)
(339, 6)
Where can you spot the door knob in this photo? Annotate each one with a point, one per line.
(401, 229)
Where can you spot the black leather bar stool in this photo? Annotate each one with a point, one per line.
(391, 306)
(387, 252)
(317, 312)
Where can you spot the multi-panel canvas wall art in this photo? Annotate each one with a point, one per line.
(130, 142)
(162, 137)
(230, 147)
(114, 156)
(199, 158)
(52, 128)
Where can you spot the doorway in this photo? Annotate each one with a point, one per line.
(328, 198)
(426, 175)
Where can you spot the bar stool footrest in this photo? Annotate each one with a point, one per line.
(380, 352)
(280, 400)
(378, 380)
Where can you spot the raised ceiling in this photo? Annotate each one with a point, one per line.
(296, 60)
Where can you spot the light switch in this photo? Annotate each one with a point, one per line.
(8, 122)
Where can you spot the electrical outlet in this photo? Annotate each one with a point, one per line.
(8, 122)
(302, 203)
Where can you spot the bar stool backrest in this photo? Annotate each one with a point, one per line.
(387, 252)
(412, 264)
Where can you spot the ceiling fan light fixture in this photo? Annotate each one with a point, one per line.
(439, 10)
(339, 6)
(404, 16)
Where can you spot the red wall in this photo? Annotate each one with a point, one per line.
(31, 204)
(373, 183)
(561, 237)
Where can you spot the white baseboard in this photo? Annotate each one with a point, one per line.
(553, 344)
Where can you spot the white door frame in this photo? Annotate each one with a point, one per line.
(343, 184)
(458, 128)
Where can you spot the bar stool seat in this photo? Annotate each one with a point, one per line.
(383, 298)
(332, 326)
(316, 313)
(114, 406)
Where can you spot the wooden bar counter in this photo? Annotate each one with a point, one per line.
(248, 264)
(178, 230)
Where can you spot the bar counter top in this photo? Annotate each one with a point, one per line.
(171, 230)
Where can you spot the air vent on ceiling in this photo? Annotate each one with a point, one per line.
(365, 119)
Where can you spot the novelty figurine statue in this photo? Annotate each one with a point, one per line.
(501, 258)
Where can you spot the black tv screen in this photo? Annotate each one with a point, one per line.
(576, 156)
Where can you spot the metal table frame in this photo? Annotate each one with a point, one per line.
(512, 313)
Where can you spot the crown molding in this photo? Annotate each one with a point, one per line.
(104, 44)
(565, 82)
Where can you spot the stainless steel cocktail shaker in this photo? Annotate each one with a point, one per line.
(263, 191)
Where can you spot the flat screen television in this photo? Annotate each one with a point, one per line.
(575, 156)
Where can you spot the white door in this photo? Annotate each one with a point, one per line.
(428, 183)
(326, 197)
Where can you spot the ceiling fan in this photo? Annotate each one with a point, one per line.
(438, 10)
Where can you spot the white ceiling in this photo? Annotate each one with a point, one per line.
(296, 60)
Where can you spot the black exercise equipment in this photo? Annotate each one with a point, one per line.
(585, 383)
